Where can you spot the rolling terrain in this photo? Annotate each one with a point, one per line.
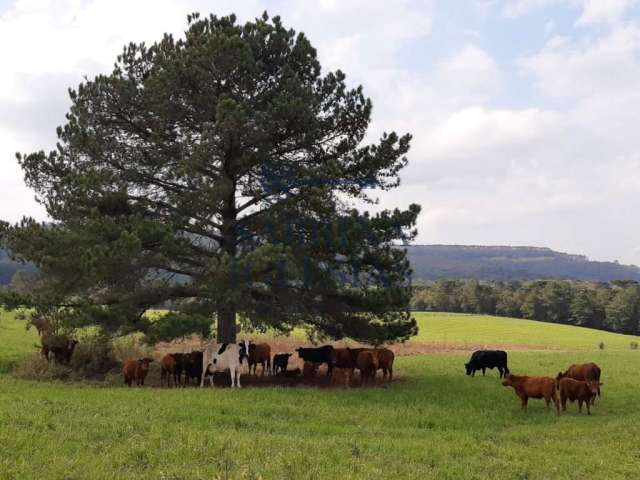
(433, 422)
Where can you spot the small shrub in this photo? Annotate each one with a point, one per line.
(601, 345)
(94, 357)
(130, 347)
(36, 367)
(633, 345)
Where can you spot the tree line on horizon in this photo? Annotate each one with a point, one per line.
(613, 306)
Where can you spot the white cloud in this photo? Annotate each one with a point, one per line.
(592, 11)
(558, 169)
(603, 11)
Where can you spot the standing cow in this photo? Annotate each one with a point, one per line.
(259, 354)
(587, 372)
(483, 359)
(223, 356)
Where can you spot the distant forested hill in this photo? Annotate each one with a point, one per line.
(432, 262)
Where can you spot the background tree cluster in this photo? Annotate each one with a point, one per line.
(611, 306)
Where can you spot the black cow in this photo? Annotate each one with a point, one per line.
(280, 362)
(483, 359)
(318, 355)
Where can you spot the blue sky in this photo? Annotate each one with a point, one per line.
(523, 112)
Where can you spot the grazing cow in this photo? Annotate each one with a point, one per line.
(221, 357)
(259, 353)
(582, 391)
(483, 359)
(136, 370)
(385, 361)
(589, 372)
(367, 363)
(309, 369)
(318, 355)
(280, 362)
(168, 370)
(533, 387)
(341, 377)
(192, 367)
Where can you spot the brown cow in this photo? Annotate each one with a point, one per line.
(533, 387)
(259, 353)
(579, 390)
(367, 363)
(588, 372)
(168, 371)
(136, 370)
(341, 377)
(385, 361)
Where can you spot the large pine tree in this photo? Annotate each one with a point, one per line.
(216, 172)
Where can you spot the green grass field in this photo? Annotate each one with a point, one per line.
(434, 422)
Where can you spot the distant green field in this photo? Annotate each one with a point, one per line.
(457, 328)
(433, 423)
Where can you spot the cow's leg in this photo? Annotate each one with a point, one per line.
(238, 377)
(554, 397)
(473, 373)
(524, 400)
(547, 401)
(580, 405)
(483, 371)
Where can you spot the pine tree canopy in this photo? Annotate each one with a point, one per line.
(218, 173)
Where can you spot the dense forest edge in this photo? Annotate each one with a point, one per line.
(613, 306)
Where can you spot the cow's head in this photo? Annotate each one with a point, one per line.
(508, 380)
(299, 350)
(561, 375)
(468, 368)
(243, 350)
(144, 363)
(594, 387)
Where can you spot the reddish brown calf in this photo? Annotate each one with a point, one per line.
(583, 392)
(533, 387)
(136, 370)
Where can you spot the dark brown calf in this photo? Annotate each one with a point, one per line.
(259, 353)
(385, 362)
(168, 371)
(136, 370)
(533, 387)
(583, 392)
(367, 363)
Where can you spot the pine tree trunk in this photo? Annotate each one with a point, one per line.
(226, 325)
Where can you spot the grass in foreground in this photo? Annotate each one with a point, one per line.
(434, 422)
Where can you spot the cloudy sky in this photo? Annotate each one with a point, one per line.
(525, 113)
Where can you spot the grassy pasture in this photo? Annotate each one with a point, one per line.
(434, 422)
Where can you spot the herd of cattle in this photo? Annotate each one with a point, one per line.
(181, 369)
(580, 382)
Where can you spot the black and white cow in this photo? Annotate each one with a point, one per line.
(218, 357)
(483, 359)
